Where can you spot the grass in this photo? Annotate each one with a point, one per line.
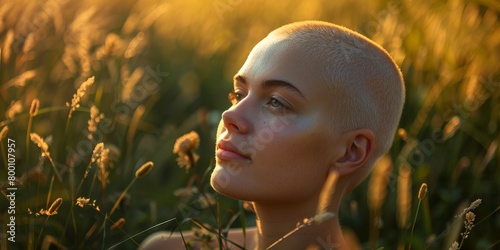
(157, 70)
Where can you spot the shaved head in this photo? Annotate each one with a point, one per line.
(365, 84)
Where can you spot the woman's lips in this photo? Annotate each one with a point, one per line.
(228, 152)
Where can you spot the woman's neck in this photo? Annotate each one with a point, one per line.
(277, 220)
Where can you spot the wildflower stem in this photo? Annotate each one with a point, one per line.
(243, 224)
(285, 236)
(210, 230)
(50, 191)
(414, 222)
(219, 227)
(81, 181)
(117, 202)
(104, 230)
(28, 131)
(41, 231)
(487, 216)
(92, 183)
(141, 232)
(67, 125)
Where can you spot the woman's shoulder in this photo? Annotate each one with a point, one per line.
(174, 240)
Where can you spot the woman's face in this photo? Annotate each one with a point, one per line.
(274, 144)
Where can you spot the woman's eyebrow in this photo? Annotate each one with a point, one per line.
(272, 84)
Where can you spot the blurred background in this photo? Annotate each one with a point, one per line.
(164, 68)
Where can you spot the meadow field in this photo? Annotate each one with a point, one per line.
(94, 95)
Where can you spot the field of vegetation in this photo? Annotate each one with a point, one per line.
(94, 94)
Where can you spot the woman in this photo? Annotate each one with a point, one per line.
(312, 100)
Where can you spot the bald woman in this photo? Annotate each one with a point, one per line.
(312, 100)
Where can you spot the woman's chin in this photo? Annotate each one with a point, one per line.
(226, 182)
(220, 179)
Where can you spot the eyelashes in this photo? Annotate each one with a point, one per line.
(234, 97)
(273, 103)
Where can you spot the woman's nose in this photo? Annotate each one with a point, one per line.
(235, 119)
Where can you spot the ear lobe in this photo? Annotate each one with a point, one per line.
(358, 148)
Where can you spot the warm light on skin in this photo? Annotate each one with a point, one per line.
(306, 104)
(290, 162)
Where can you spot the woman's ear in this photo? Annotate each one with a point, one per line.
(358, 148)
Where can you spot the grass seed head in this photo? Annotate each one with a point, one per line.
(95, 118)
(75, 102)
(54, 207)
(35, 105)
(144, 169)
(40, 142)
(422, 191)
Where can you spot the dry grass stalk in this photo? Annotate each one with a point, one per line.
(96, 154)
(134, 46)
(100, 156)
(144, 169)
(327, 192)
(451, 127)
(422, 192)
(35, 105)
(3, 133)
(472, 206)
(118, 224)
(404, 196)
(378, 183)
(40, 142)
(112, 44)
(75, 102)
(377, 190)
(15, 108)
(95, 118)
(130, 84)
(134, 123)
(7, 45)
(468, 225)
(55, 206)
(52, 209)
(29, 43)
(91, 231)
(20, 80)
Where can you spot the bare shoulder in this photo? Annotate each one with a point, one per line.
(163, 240)
(169, 240)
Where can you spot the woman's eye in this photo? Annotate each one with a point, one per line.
(275, 103)
(234, 97)
(278, 105)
